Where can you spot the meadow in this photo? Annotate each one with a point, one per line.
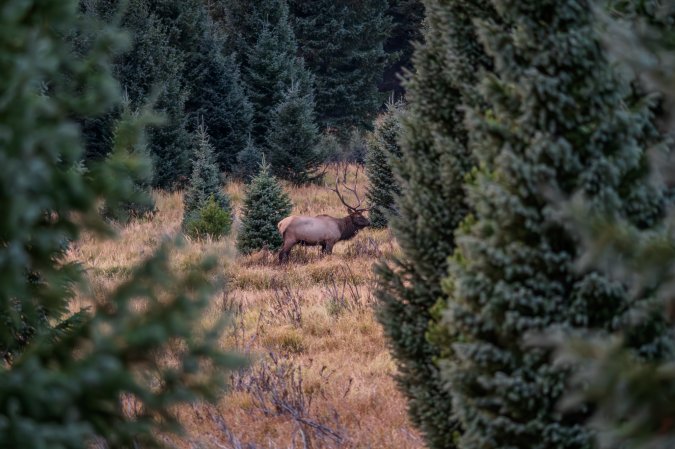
(321, 374)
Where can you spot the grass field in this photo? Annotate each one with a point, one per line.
(321, 375)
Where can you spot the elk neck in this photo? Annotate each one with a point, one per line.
(347, 228)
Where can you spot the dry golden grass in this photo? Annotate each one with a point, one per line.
(308, 326)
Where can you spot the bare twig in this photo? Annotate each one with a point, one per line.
(346, 295)
(277, 389)
(286, 304)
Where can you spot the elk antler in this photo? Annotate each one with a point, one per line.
(351, 209)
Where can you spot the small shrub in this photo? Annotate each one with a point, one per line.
(321, 273)
(344, 295)
(286, 305)
(278, 389)
(364, 247)
(200, 217)
(211, 220)
(286, 340)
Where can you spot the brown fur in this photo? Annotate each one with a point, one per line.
(347, 228)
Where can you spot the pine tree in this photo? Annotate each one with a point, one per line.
(205, 183)
(248, 161)
(342, 42)
(272, 68)
(216, 92)
(406, 17)
(265, 205)
(153, 71)
(556, 125)
(63, 386)
(632, 398)
(126, 141)
(218, 96)
(434, 162)
(150, 72)
(178, 57)
(245, 19)
(293, 137)
(96, 130)
(383, 150)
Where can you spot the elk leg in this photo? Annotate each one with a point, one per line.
(328, 247)
(323, 247)
(285, 252)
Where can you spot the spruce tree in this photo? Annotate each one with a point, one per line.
(248, 161)
(633, 399)
(212, 78)
(434, 162)
(205, 182)
(342, 42)
(406, 17)
(383, 150)
(245, 19)
(272, 68)
(153, 71)
(557, 124)
(292, 139)
(218, 95)
(64, 388)
(265, 205)
(126, 141)
(149, 72)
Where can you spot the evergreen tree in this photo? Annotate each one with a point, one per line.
(65, 388)
(216, 93)
(97, 135)
(179, 51)
(632, 398)
(407, 17)
(96, 130)
(218, 96)
(125, 141)
(272, 68)
(342, 43)
(248, 161)
(383, 150)
(205, 183)
(265, 205)
(557, 125)
(153, 70)
(293, 137)
(435, 159)
(245, 19)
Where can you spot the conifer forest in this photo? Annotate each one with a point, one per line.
(344, 224)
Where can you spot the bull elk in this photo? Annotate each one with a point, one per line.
(322, 230)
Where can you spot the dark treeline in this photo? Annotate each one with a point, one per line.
(274, 78)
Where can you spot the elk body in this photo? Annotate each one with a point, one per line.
(322, 230)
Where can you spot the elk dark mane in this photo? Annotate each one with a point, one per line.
(347, 228)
